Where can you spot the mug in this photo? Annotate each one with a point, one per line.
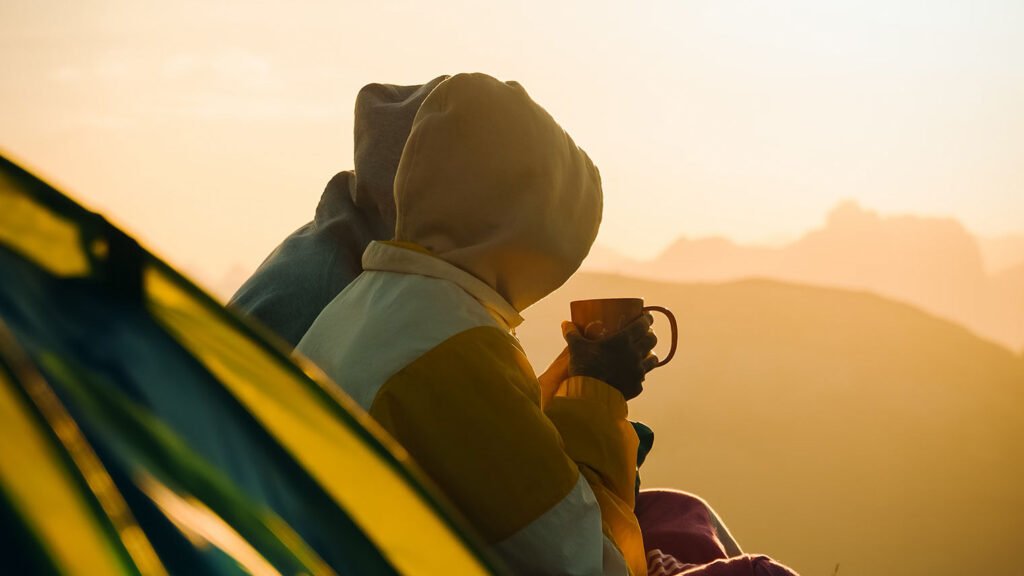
(615, 313)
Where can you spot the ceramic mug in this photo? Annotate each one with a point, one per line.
(616, 313)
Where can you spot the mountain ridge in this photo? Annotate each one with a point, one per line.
(934, 263)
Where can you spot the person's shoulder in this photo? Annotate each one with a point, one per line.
(479, 352)
(429, 304)
(385, 321)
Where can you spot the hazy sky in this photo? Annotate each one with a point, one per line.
(208, 129)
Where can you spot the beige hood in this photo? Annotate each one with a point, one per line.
(489, 182)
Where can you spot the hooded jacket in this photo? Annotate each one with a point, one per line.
(495, 208)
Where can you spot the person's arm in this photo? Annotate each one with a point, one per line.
(590, 416)
(469, 414)
(602, 371)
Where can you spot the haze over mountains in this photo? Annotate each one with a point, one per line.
(828, 426)
(933, 263)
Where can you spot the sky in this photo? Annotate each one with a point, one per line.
(208, 129)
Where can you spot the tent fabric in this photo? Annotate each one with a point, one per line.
(225, 453)
(32, 466)
(118, 455)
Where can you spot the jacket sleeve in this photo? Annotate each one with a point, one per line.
(468, 412)
(590, 416)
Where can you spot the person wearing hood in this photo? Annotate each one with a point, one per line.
(496, 207)
(493, 208)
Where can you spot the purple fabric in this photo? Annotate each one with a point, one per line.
(678, 524)
(680, 539)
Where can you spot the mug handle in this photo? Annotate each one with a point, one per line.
(672, 324)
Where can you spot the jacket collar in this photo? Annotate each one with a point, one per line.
(408, 258)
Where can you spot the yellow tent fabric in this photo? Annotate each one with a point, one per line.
(63, 268)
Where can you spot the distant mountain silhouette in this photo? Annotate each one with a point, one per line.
(832, 426)
(930, 262)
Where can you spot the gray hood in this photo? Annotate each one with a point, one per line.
(383, 119)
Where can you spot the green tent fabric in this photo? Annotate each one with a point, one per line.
(149, 430)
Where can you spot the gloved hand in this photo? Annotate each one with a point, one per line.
(621, 359)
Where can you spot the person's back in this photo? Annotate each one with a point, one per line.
(496, 208)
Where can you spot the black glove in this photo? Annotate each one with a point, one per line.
(621, 359)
